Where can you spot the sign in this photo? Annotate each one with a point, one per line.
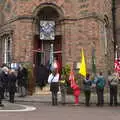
(14, 66)
(47, 30)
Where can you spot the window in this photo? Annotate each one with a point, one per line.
(5, 49)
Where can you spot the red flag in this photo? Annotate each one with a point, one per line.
(117, 65)
(56, 65)
(72, 78)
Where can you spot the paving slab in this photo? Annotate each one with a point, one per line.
(13, 107)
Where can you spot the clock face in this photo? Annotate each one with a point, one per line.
(47, 30)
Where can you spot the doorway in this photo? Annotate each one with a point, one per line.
(42, 54)
(42, 51)
(47, 21)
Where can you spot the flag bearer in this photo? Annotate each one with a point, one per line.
(87, 89)
(76, 93)
(63, 89)
(113, 83)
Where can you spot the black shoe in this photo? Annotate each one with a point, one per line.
(102, 105)
(11, 101)
(97, 104)
(116, 105)
(1, 105)
(87, 105)
(110, 105)
(63, 104)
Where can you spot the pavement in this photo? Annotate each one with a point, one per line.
(46, 98)
(19, 101)
(14, 107)
(41, 108)
(10, 106)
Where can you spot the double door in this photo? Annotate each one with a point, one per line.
(43, 49)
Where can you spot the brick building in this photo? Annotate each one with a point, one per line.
(117, 24)
(78, 24)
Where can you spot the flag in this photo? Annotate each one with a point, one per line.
(51, 57)
(117, 65)
(82, 70)
(72, 78)
(93, 61)
(56, 65)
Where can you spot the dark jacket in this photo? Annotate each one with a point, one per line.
(12, 83)
(100, 82)
(4, 79)
(54, 87)
(87, 85)
(20, 78)
(1, 80)
(42, 76)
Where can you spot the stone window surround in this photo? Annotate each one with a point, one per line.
(6, 49)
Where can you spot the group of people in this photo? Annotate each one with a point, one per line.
(10, 80)
(98, 83)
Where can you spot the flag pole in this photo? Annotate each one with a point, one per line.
(116, 54)
(93, 61)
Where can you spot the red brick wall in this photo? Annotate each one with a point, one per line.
(117, 22)
(81, 27)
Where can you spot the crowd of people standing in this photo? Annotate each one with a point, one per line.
(12, 81)
(98, 84)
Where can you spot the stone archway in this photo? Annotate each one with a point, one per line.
(48, 14)
(50, 5)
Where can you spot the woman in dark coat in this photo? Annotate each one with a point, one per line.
(21, 82)
(87, 89)
(12, 85)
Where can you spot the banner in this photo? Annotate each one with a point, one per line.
(72, 78)
(82, 70)
(117, 65)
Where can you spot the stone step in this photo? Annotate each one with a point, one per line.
(44, 91)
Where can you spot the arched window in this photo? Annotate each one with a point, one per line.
(5, 49)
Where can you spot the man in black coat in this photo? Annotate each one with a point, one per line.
(4, 78)
(1, 90)
(3, 83)
(21, 82)
(42, 74)
(12, 85)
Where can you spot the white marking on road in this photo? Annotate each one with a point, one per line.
(24, 109)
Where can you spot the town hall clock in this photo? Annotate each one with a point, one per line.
(47, 30)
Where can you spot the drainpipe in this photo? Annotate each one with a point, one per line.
(114, 26)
